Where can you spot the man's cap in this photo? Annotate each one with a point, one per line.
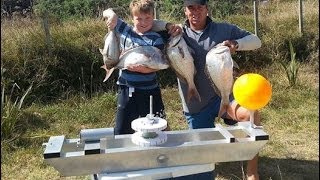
(194, 2)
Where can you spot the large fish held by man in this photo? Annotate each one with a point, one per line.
(181, 62)
(219, 66)
(148, 56)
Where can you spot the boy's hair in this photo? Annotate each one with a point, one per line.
(142, 6)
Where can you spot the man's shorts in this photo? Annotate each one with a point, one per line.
(206, 117)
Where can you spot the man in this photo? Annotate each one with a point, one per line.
(201, 34)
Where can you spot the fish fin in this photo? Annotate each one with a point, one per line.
(193, 92)
(235, 65)
(216, 89)
(175, 40)
(105, 36)
(181, 52)
(108, 72)
(104, 67)
(101, 51)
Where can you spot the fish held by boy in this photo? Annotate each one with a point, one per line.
(148, 56)
(181, 62)
(219, 66)
(111, 50)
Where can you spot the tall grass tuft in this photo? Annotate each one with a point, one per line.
(10, 115)
(292, 67)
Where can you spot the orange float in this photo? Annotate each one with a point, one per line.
(252, 91)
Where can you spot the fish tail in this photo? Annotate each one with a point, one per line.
(104, 67)
(223, 109)
(108, 72)
(193, 92)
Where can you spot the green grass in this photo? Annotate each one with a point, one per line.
(291, 118)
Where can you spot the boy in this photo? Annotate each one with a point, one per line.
(137, 82)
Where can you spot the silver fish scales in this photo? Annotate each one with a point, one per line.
(111, 49)
(219, 66)
(181, 62)
(148, 56)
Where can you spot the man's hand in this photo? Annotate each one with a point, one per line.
(173, 29)
(232, 44)
(140, 68)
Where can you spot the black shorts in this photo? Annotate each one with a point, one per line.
(136, 106)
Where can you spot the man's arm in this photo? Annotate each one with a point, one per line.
(249, 42)
(173, 29)
(159, 25)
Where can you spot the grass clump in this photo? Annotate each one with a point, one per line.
(292, 68)
(11, 118)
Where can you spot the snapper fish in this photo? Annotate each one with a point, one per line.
(148, 56)
(219, 67)
(111, 49)
(181, 62)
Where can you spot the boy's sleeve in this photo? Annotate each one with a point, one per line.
(159, 43)
(122, 27)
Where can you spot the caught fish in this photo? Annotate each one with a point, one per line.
(111, 50)
(181, 62)
(219, 65)
(148, 56)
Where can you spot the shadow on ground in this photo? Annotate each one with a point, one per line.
(271, 169)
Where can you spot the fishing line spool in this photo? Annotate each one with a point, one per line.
(149, 130)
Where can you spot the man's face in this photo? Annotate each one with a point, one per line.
(197, 15)
(142, 22)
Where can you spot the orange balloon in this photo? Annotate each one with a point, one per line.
(252, 91)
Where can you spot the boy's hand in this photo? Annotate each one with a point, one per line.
(112, 21)
(111, 17)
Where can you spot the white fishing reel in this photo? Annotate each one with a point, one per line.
(149, 130)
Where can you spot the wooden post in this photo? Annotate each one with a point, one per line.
(255, 12)
(47, 32)
(156, 11)
(300, 17)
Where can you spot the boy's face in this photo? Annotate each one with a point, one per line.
(142, 22)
